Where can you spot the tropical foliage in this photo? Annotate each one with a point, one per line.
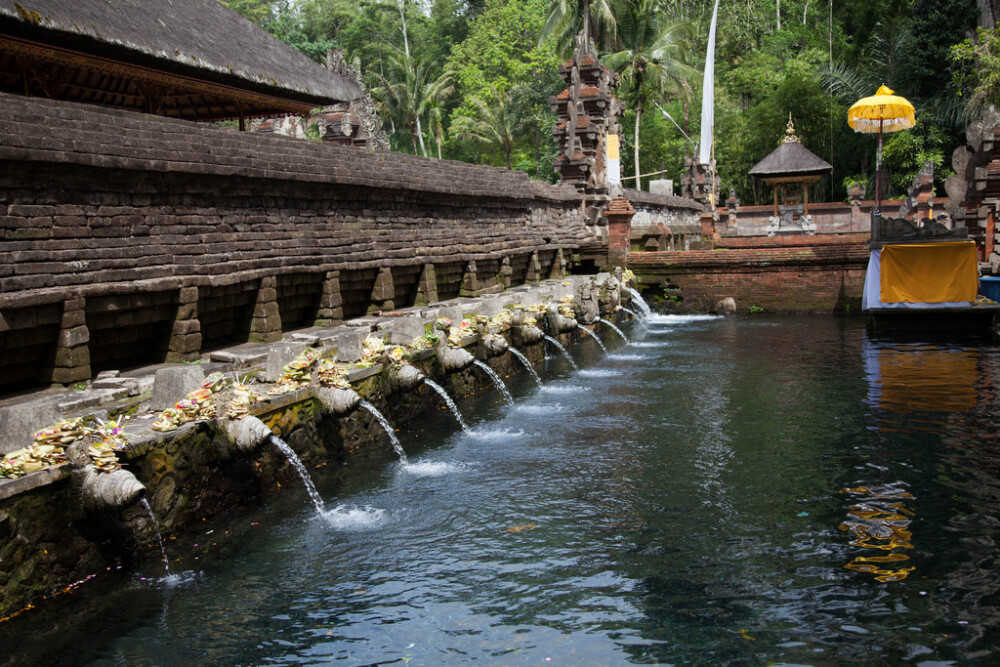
(470, 79)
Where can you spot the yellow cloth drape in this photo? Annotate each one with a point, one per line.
(929, 272)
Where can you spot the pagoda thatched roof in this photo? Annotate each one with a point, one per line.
(790, 159)
(162, 45)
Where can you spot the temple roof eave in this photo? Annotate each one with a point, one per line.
(790, 159)
(217, 47)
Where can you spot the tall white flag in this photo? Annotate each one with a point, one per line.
(614, 162)
(708, 94)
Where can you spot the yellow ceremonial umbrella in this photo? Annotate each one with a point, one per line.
(881, 112)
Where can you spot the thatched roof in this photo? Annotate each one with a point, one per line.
(197, 40)
(790, 159)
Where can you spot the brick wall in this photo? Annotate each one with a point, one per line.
(128, 239)
(822, 278)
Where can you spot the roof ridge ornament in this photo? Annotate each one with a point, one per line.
(790, 137)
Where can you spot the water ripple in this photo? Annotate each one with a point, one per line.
(433, 468)
(344, 517)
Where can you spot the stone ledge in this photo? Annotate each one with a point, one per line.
(13, 487)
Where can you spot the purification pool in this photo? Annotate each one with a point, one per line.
(748, 491)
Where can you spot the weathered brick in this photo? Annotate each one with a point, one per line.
(74, 337)
(72, 357)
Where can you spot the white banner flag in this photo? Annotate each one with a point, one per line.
(614, 170)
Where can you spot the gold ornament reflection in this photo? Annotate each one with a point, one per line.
(879, 520)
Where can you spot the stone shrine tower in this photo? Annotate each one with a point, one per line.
(588, 113)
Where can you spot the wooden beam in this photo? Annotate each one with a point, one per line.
(43, 54)
(778, 180)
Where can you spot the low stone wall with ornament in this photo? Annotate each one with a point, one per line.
(825, 276)
(128, 239)
(664, 222)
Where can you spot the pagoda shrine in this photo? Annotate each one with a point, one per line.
(588, 115)
(790, 169)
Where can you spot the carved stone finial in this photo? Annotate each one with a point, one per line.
(790, 137)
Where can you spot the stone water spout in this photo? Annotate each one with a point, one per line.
(559, 323)
(406, 378)
(493, 345)
(531, 335)
(104, 492)
(340, 401)
(609, 293)
(248, 433)
(454, 359)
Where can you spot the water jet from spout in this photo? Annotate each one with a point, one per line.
(159, 537)
(592, 335)
(497, 381)
(640, 303)
(387, 427)
(301, 469)
(616, 330)
(563, 350)
(527, 364)
(447, 399)
(638, 318)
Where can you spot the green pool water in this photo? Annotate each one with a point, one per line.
(748, 491)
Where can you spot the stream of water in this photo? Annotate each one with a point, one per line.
(159, 537)
(749, 491)
(300, 468)
(397, 446)
(563, 351)
(447, 401)
(640, 303)
(615, 329)
(640, 320)
(497, 381)
(592, 335)
(527, 364)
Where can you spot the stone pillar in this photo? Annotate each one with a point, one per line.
(707, 220)
(504, 276)
(558, 271)
(921, 194)
(331, 311)
(470, 282)
(534, 273)
(427, 288)
(72, 361)
(185, 337)
(619, 216)
(383, 292)
(732, 209)
(266, 324)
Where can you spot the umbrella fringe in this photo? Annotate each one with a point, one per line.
(889, 125)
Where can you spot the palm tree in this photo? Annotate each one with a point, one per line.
(435, 118)
(568, 18)
(878, 64)
(493, 125)
(408, 91)
(652, 59)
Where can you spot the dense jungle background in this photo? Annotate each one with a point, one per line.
(470, 79)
